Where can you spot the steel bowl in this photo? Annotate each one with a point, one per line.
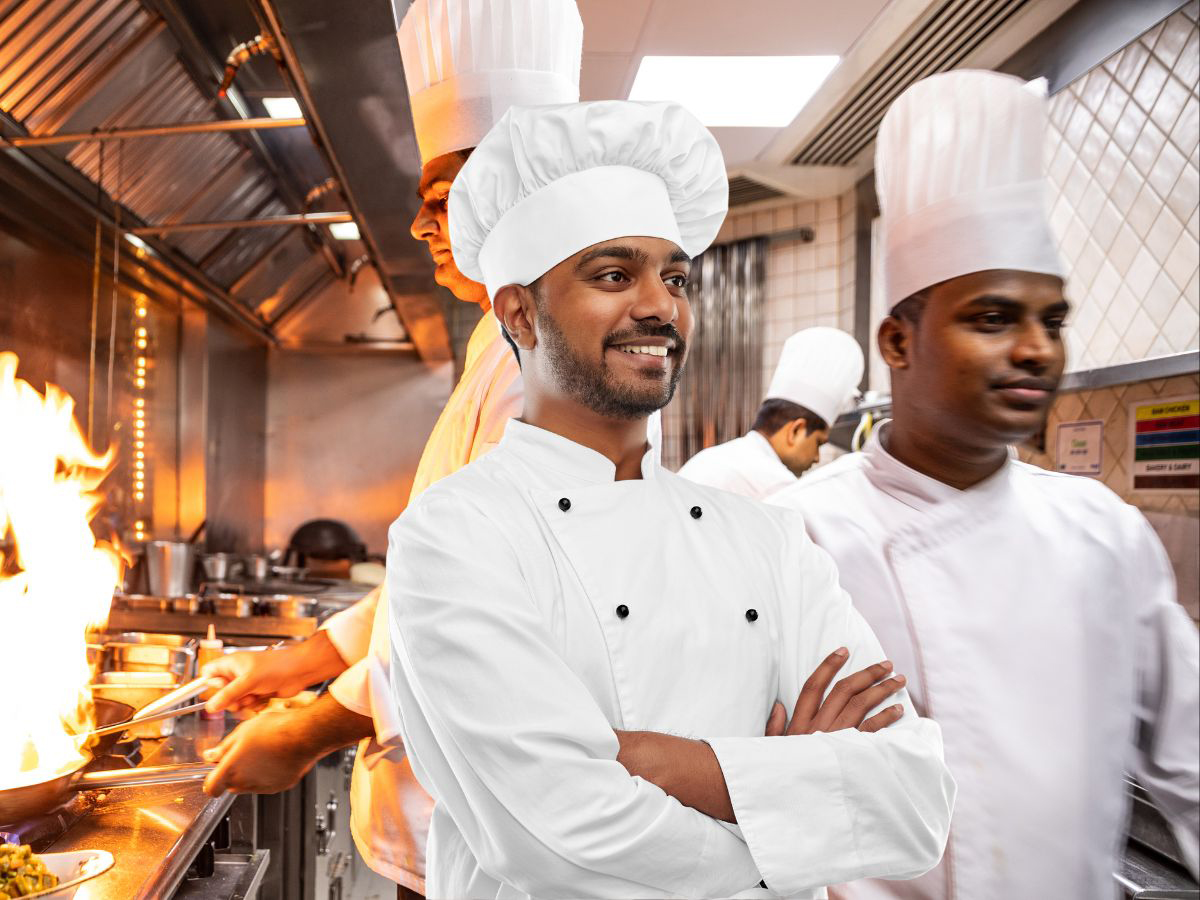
(142, 603)
(188, 603)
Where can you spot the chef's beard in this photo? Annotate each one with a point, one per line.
(593, 385)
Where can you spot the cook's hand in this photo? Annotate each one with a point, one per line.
(266, 754)
(250, 678)
(847, 704)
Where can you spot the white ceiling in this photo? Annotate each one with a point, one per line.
(618, 33)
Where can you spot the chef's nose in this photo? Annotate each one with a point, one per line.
(1034, 348)
(424, 225)
(654, 301)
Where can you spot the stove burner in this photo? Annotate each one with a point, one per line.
(40, 832)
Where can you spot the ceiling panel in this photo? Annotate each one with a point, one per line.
(612, 26)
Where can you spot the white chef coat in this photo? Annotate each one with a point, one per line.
(389, 811)
(1036, 619)
(747, 465)
(512, 664)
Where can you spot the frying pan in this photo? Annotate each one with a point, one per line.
(17, 803)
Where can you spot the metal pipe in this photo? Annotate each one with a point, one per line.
(326, 218)
(118, 134)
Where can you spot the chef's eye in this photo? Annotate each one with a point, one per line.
(676, 281)
(443, 203)
(613, 276)
(991, 321)
(1056, 324)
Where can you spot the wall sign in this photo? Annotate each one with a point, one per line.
(1165, 437)
(1080, 447)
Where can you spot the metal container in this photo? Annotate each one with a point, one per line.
(138, 689)
(220, 566)
(286, 606)
(137, 651)
(289, 573)
(257, 568)
(238, 605)
(169, 568)
(142, 603)
(188, 603)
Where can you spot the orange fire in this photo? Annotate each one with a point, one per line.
(58, 583)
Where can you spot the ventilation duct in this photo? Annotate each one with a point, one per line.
(953, 31)
(743, 190)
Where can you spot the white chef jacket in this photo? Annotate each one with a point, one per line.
(747, 465)
(1036, 619)
(389, 811)
(570, 604)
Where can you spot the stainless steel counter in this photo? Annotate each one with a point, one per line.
(153, 832)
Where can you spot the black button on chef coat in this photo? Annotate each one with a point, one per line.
(564, 504)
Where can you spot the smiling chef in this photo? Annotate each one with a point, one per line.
(584, 672)
(1035, 610)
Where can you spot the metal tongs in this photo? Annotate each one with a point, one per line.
(160, 709)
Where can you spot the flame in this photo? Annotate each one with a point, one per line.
(58, 581)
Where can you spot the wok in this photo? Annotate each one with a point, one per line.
(18, 803)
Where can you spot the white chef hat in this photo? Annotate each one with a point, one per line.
(467, 61)
(960, 174)
(819, 369)
(550, 181)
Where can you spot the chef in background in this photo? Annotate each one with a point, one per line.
(1035, 610)
(816, 379)
(465, 64)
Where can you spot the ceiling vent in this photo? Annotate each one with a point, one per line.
(743, 190)
(954, 30)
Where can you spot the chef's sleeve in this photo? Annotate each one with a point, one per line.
(1167, 758)
(350, 630)
(830, 808)
(508, 740)
(366, 687)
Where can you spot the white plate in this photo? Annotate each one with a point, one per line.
(72, 870)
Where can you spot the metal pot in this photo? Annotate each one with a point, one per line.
(169, 567)
(220, 566)
(257, 568)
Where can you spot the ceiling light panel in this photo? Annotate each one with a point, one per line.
(345, 231)
(734, 91)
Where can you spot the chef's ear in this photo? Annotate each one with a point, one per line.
(897, 332)
(515, 308)
(797, 431)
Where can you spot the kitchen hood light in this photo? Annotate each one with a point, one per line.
(135, 240)
(345, 231)
(734, 91)
(282, 108)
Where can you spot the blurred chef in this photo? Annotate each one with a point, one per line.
(465, 64)
(816, 379)
(588, 590)
(1036, 611)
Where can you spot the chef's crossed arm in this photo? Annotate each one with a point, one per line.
(507, 738)
(827, 808)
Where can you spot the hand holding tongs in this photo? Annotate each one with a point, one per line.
(161, 708)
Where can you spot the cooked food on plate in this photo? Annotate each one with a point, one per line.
(22, 872)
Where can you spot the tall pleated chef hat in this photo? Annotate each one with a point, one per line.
(960, 173)
(467, 61)
(550, 181)
(820, 369)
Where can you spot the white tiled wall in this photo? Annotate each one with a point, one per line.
(1125, 165)
(807, 283)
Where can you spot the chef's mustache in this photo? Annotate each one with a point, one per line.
(668, 331)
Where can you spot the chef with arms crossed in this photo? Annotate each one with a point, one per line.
(816, 379)
(465, 64)
(1035, 611)
(583, 674)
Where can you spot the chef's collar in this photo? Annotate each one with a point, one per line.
(544, 449)
(915, 489)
